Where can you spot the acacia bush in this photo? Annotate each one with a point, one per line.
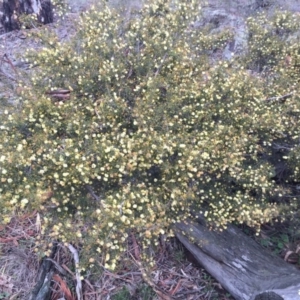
(130, 127)
(271, 39)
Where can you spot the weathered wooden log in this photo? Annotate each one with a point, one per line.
(12, 9)
(42, 289)
(245, 269)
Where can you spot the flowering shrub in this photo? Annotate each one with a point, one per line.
(129, 127)
(270, 40)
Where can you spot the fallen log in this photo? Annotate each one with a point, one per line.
(245, 269)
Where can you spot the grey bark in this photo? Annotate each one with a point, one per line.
(245, 269)
(42, 289)
(12, 9)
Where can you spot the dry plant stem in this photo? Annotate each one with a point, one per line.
(284, 147)
(68, 270)
(78, 280)
(148, 280)
(158, 69)
(90, 285)
(57, 266)
(6, 75)
(121, 277)
(280, 98)
(92, 193)
(59, 94)
(7, 60)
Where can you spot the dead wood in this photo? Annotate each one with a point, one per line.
(245, 269)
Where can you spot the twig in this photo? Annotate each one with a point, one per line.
(279, 147)
(89, 284)
(130, 273)
(7, 60)
(117, 276)
(129, 72)
(280, 98)
(8, 76)
(59, 94)
(38, 223)
(135, 248)
(61, 287)
(57, 266)
(67, 269)
(159, 67)
(189, 292)
(177, 287)
(78, 280)
(90, 190)
(58, 91)
(147, 279)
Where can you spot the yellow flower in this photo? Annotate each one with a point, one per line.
(205, 155)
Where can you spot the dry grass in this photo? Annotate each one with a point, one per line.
(18, 261)
(172, 277)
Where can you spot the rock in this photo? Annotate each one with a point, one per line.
(232, 15)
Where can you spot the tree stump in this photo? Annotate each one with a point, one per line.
(245, 269)
(12, 9)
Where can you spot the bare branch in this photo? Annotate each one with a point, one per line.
(92, 193)
(6, 59)
(284, 147)
(280, 98)
(158, 69)
(78, 280)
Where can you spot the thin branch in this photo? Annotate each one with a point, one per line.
(129, 72)
(57, 266)
(279, 147)
(90, 190)
(58, 91)
(6, 59)
(280, 98)
(159, 67)
(78, 280)
(59, 94)
(7, 75)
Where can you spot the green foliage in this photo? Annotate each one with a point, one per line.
(60, 7)
(4, 295)
(179, 255)
(270, 41)
(29, 21)
(278, 242)
(149, 131)
(145, 292)
(123, 294)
